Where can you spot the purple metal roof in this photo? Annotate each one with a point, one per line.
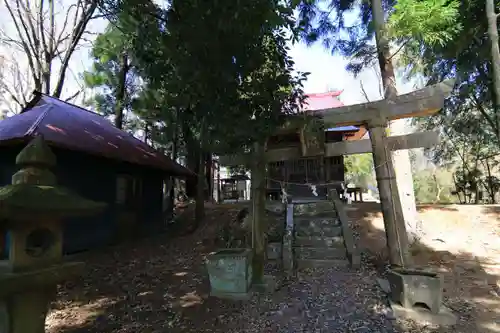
(69, 126)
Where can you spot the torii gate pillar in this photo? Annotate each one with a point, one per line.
(394, 222)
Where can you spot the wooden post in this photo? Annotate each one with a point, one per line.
(258, 211)
(395, 229)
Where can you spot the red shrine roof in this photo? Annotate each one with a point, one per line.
(68, 126)
(321, 101)
(329, 100)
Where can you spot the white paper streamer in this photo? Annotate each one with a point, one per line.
(313, 190)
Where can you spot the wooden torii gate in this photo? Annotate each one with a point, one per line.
(375, 115)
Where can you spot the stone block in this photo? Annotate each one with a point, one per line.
(413, 288)
(444, 317)
(230, 272)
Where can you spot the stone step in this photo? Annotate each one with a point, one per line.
(320, 253)
(321, 263)
(319, 232)
(319, 208)
(317, 222)
(318, 242)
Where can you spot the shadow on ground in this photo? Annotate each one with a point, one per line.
(471, 282)
(160, 284)
(151, 285)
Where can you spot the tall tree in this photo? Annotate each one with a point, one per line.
(225, 70)
(47, 39)
(113, 72)
(492, 16)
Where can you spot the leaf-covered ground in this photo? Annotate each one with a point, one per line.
(160, 284)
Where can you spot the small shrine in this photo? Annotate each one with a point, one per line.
(32, 210)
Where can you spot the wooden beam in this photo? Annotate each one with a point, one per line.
(410, 141)
(419, 103)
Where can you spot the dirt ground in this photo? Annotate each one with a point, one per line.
(460, 241)
(159, 284)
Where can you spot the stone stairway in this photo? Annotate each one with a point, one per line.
(321, 236)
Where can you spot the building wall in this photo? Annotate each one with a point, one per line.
(96, 178)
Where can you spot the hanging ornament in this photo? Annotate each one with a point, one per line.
(313, 190)
(284, 195)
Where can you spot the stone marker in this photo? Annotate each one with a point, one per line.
(417, 295)
(31, 211)
(411, 288)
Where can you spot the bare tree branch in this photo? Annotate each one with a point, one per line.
(364, 91)
(77, 33)
(15, 88)
(72, 97)
(47, 46)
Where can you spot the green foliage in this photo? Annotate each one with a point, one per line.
(236, 67)
(430, 21)
(433, 186)
(433, 22)
(212, 73)
(470, 122)
(113, 64)
(359, 170)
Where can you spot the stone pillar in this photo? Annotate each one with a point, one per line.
(395, 229)
(31, 211)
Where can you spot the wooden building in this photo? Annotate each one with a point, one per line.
(98, 161)
(315, 170)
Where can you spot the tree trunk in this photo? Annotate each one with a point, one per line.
(173, 156)
(489, 183)
(121, 91)
(209, 176)
(193, 165)
(200, 186)
(192, 160)
(258, 213)
(495, 50)
(403, 201)
(200, 192)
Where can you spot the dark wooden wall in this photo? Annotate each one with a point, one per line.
(312, 170)
(95, 178)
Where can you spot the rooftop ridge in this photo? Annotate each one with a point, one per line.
(326, 94)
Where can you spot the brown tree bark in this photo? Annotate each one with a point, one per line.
(200, 186)
(395, 203)
(495, 52)
(121, 90)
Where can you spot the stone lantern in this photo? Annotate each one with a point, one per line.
(32, 209)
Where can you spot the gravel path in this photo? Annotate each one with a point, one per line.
(333, 300)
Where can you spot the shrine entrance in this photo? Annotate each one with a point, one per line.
(373, 115)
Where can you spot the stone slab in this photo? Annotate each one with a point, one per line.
(321, 263)
(320, 253)
(423, 316)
